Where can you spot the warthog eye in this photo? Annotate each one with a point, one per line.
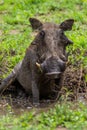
(42, 33)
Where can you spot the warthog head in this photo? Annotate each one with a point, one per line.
(51, 46)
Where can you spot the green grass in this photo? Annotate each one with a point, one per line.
(15, 15)
(65, 115)
(16, 36)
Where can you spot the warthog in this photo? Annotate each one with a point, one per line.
(44, 60)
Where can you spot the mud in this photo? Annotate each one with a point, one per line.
(73, 83)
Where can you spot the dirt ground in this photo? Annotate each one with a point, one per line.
(74, 80)
(73, 84)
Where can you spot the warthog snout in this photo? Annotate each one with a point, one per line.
(52, 67)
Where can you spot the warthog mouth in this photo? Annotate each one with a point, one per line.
(50, 75)
(53, 75)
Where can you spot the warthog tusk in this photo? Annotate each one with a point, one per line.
(39, 66)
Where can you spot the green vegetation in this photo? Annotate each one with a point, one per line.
(15, 32)
(15, 37)
(65, 115)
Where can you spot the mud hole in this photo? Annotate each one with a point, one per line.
(73, 83)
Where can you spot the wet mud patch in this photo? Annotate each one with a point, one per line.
(73, 83)
(19, 101)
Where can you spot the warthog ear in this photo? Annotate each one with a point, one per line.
(67, 24)
(35, 23)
